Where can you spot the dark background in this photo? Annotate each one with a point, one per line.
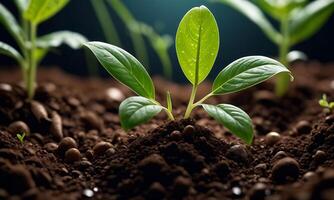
(239, 37)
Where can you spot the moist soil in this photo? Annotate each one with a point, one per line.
(76, 149)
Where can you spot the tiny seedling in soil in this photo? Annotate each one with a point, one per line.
(298, 21)
(197, 44)
(325, 104)
(33, 48)
(21, 136)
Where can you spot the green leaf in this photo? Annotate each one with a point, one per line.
(197, 43)
(7, 50)
(307, 21)
(137, 110)
(246, 72)
(323, 103)
(55, 39)
(9, 22)
(233, 118)
(123, 67)
(331, 105)
(41, 10)
(280, 9)
(253, 13)
(21, 5)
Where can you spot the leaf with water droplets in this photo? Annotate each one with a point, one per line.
(197, 43)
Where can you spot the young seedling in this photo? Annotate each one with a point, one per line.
(33, 48)
(298, 21)
(325, 104)
(21, 137)
(197, 44)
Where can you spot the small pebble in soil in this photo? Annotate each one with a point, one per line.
(95, 189)
(329, 119)
(101, 147)
(182, 185)
(272, 138)
(56, 128)
(92, 120)
(88, 193)
(65, 144)
(319, 157)
(260, 169)
(279, 155)
(238, 153)
(264, 95)
(236, 191)
(222, 169)
(285, 170)
(308, 176)
(303, 127)
(18, 127)
(156, 191)
(259, 192)
(5, 87)
(115, 94)
(39, 111)
(176, 135)
(72, 155)
(51, 147)
(188, 130)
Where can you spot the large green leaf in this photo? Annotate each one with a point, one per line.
(123, 67)
(9, 22)
(280, 9)
(246, 72)
(254, 14)
(137, 110)
(307, 21)
(233, 118)
(7, 50)
(41, 10)
(197, 43)
(55, 39)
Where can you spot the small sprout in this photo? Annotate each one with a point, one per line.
(21, 136)
(32, 49)
(197, 44)
(325, 104)
(298, 20)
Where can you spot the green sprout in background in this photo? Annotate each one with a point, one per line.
(137, 30)
(34, 48)
(21, 137)
(326, 104)
(197, 44)
(298, 20)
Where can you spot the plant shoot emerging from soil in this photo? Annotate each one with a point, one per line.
(326, 104)
(298, 21)
(21, 136)
(33, 48)
(197, 44)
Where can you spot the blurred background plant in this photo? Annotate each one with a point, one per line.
(239, 37)
(298, 20)
(138, 31)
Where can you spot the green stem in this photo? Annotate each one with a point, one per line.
(168, 112)
(282, 83)
(190, 106)
(31, 70)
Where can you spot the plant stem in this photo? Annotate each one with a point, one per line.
(168, 112)
(282, 83)
(31, 69)
(190, 106)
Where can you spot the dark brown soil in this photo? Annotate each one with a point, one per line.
(76, 149)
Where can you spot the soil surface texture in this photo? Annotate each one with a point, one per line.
(74, 147)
